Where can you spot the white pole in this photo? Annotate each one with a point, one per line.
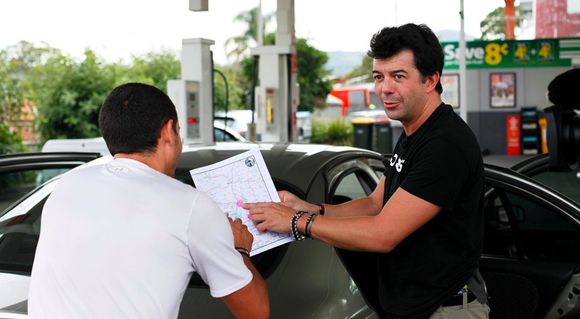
(260, 25)
(462, 66)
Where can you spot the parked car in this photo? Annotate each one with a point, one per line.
(531, 257)
(238, 120)
(221, 133)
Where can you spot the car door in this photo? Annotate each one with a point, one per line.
(531, 251)
(307, 272)
(20, 173)
(347, 181)
(20, 210)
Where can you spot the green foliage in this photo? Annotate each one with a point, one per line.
(154, 68)
(240, 44)
(334, 132)
(15, 62)
(312, 75)
(236, 89)
(364, 70)
(68, 95)
(493, 26)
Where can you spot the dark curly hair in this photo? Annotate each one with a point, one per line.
(419, 39)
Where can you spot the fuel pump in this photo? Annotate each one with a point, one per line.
(277, 91)
(193, 93)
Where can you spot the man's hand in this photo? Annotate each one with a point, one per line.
(251, 301)
(270, 216)
(292, 201)
(242, 237)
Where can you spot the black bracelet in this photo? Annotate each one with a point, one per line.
(321, 211)
(309, 223)
(243, 251)
(294, 226)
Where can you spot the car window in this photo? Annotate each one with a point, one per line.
(352, 184)
(524, 227)
(566, 182)
(350, 187)
(19, 231)
(222, 136)
(15, 184)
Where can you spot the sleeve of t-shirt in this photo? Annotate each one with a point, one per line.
(211, 245)
(437, 174)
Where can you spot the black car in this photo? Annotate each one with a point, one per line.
(531, 257)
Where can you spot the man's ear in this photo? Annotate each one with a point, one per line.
(166, 134)
(431, 81)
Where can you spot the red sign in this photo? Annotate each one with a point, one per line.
(513, 134)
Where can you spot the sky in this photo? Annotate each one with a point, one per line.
(117, 29)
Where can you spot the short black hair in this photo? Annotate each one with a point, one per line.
(132, 116)
(419, 39)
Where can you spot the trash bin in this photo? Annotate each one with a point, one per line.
(383, 136)
(363, 132)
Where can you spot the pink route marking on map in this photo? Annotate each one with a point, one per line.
(239, 203)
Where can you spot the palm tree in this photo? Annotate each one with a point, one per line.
(242, 43)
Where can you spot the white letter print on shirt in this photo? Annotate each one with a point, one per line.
(397, 162)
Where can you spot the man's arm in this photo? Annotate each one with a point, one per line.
(365, 206)
(403, 214)
(252, 300)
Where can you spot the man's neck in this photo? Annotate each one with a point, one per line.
(149, 159)
(431, 105)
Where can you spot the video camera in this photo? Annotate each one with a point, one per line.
(564, 120)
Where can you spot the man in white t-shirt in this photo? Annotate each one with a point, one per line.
(122, 239)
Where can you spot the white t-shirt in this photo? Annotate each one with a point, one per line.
(121, 240)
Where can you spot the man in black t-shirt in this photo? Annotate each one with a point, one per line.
(419, 234)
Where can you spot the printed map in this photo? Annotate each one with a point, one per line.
(241, 178)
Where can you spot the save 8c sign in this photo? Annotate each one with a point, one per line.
(505, 54)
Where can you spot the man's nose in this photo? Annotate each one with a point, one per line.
(386, 86)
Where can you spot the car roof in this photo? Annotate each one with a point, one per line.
(291, 163)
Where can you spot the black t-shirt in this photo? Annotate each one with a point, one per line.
(441, 163)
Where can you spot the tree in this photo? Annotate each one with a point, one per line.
(68, 95)
(493, 26)
(154, 68)
(241, 43)
(236, 86)
(15, 62)
(312, 75)
(364, 70)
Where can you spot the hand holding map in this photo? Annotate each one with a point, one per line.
(236, 180)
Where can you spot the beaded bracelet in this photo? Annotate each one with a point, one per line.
(294, 226)
(309, 223)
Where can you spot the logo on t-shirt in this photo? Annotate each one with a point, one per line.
(397, 162)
